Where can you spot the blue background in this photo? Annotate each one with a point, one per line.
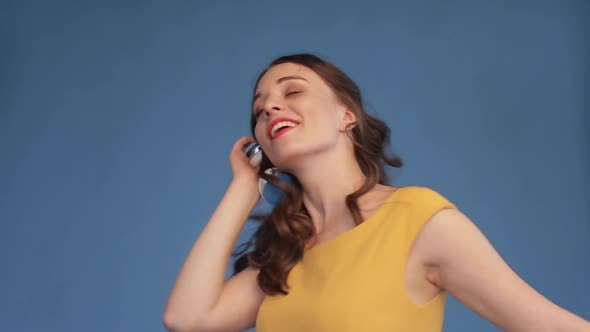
(117, 118)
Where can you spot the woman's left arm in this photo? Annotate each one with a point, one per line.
(462, 261)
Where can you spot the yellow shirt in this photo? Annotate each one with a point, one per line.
(356, 281)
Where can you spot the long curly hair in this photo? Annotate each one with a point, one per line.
(281, 238)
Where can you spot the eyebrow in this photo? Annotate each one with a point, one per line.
(280, 80)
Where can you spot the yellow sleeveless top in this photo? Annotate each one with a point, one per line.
(356, 281)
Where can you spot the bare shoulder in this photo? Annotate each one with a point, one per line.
(464, 262)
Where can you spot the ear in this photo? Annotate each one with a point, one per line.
(348, 119)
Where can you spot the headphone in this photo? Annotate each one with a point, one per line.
(270, 193)
(253, 152)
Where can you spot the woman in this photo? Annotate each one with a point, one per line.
(342, 251)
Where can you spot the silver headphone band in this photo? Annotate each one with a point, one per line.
(256, 149)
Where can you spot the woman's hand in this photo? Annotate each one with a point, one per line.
(242, 171)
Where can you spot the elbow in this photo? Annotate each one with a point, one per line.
(173, 323)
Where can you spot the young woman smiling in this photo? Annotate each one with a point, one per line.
(343, 251)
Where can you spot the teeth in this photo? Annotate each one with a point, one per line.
(282, 124)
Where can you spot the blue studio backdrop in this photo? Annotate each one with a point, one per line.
(117, 118)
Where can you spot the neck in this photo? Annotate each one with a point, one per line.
(327, 178)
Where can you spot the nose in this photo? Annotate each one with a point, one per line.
(271, 105)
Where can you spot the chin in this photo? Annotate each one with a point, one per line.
(283, 156)
(288, 156)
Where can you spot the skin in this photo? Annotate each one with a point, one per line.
(450, 253)
(310, 150)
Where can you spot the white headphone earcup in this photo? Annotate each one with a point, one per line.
(256, 159)
(271, 193)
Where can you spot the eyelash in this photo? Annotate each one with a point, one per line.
(257, 113)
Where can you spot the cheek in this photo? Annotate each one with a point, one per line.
(324, 119)
(320, 109)
(259, 133)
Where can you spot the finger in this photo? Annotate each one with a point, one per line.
(242, 142)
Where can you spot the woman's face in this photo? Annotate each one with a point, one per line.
(297, 114)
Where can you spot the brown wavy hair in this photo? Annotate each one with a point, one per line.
(281, 238)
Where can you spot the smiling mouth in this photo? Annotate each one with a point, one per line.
(280, 125)
(281, 131)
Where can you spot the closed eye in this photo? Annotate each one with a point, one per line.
(288, 93)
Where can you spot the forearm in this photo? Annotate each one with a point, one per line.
(569, 322)
(201, 278)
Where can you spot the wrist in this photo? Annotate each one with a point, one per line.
(246, 187)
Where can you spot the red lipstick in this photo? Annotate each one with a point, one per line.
(274, 122)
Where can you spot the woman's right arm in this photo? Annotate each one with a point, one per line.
(201, 300)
